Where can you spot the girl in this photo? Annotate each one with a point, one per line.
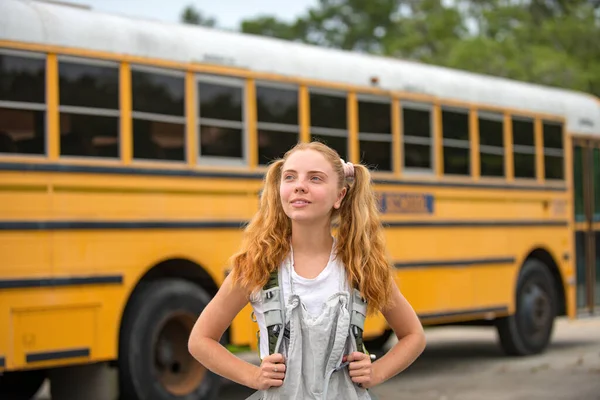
(315, 278)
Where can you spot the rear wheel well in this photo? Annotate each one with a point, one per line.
(182, 269)
(547, 259)
(176, 268)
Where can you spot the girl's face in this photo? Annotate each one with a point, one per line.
(309, 187)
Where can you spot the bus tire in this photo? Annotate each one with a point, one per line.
(154, 361)
(21, 385)
(529, 330)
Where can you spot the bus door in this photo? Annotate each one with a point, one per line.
(586, 171)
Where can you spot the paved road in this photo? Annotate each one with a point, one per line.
(467, 364)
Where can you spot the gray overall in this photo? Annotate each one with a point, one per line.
(314, 350)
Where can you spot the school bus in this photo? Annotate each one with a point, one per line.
(132, 154)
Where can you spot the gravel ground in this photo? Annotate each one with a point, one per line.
(466, 363)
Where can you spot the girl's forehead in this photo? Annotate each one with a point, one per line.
(307, 159)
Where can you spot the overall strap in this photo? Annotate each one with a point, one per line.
(358, 314)
(274, 311)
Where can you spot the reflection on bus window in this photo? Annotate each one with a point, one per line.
(329, 120)
(89, 136)
(523, 147)
(221, 118)
(89, 109)
(455, 130)
(375, 133)
(84, 85)
(491, 144)
(22, 104)
(553, 150)
(417, 136)
(158, 105)
(22, 131)
(277, 121)
(218, 141)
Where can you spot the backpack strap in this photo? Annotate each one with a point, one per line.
(358, 314)
(274, 311)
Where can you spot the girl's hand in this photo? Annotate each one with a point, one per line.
(271, 372)
(360, 368)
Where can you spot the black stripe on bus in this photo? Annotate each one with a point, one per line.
(464, 313)
(96, 169)
(98, 225)
(57, 355)
(6, 166)
(473, 224)
(473, 185)
(456, 263)
(2, 362)
(57, 282)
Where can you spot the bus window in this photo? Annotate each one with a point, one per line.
(329, 121)
(277, 116)
(89, 108)
(158, 113)
(523, 147)
(553, 150)
(22, 103)
(491, 144)
(455, 130)
(417, 136)
(221, 119)
(375, 132)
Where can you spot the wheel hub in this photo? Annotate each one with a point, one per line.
(176, 369)
(536, 307)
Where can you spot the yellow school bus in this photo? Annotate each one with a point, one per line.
(132, 154)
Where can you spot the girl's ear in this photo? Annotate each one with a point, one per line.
(341, 196)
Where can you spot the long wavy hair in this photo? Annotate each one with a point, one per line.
(360, 239)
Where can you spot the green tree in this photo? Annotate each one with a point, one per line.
(190, 15)
(552, 42)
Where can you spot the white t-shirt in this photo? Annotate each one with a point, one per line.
(312, 292)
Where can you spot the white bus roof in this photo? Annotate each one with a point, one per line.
(75, 27)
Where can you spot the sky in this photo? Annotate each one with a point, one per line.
(228, 13)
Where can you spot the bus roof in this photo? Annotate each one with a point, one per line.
(62, 25)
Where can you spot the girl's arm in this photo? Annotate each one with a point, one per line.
(411, 339)
(204, 339)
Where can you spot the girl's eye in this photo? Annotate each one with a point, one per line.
(316, 177)
(287, 177)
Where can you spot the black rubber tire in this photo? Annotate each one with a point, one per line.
(529, 330)
(152, 304)
(21, 385)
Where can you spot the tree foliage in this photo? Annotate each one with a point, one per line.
(190, 15)
(552, 42)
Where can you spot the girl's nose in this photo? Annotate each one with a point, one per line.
(300, 186)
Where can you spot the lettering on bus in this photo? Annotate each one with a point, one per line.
(405, 203)
(218, 59)
(558, 208)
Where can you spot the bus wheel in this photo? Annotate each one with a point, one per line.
(154, 361)
(21, 385)
(528, 331)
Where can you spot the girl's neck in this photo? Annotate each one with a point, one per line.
(311, 239)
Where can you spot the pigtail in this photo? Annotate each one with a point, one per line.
(361, 241)
(265, 240)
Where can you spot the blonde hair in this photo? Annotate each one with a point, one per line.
(360, 238)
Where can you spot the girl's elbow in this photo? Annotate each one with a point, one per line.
(421, 340)
(194, 344)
